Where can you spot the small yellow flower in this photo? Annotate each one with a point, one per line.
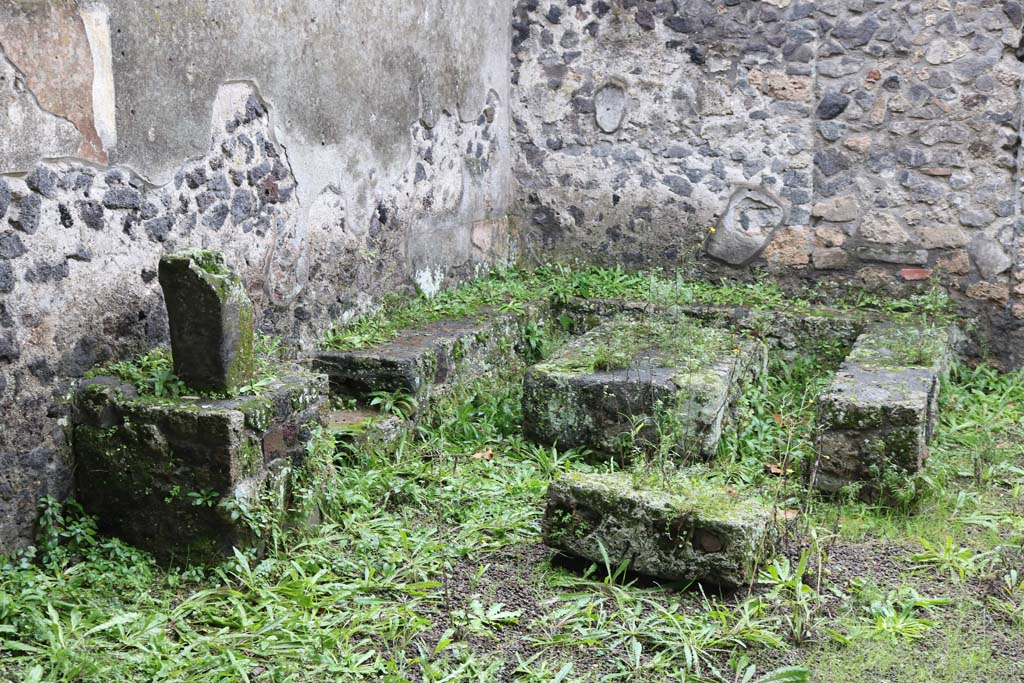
(711, 230)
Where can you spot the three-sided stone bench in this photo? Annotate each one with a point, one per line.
(879, 413)
(782, 329)
(672, 529)
(667, 380)
(423, 360)
(183, 478)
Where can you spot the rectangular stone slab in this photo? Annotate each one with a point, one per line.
(671, 377)
(139, 458)
(363, 430)
(673, 529)
(210, 317)
(781, 329)
(423, 358)
(880, 411)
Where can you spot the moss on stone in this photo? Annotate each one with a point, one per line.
(676, 494)
(670, 527)
(251, 455)
(210, 261)
(660, 341)
(898, 346)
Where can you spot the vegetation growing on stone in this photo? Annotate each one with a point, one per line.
(659, 341)
(422, 540)
(513, 289)
(152, 372)
(211, 261)
(427, 566)
(902, 345)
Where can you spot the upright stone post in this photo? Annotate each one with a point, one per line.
(211, 321)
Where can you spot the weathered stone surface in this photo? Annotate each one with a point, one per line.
(749, 222)
(837, 209)
(670, 379)
(211, 321)
(424, 360)
(166, 475)
(674, 529)
(879, 413)
(610, 106)
(363, 430)
(848, 110)
(11, 246)
(989, 256)
(780, 329)
(832, 105)
(306, 262)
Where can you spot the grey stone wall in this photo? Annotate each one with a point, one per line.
(334, 151)
(864, 142)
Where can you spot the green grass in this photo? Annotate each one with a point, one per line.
(428, 566)
(152, 372)
(513, 289)
(624, 343)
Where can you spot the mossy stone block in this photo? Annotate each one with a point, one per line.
(673, 529)
(423, 360)
(879, 413)
(211, 321)
(669, 378)
(167, 474)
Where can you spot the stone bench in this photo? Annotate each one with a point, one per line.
(672, 529)
(423, 359)
(361, 430)
(166, 474)
(666, 380)
(780, 329)
(879, 413)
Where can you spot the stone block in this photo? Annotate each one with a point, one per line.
(361, 430)
(423, 360)
(879, 413)
(167, 474)
(784, 329)
(668, 377)
(673, 529)
(747, 225)
(211, 321)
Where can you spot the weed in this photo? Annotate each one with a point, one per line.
(947, 558)
(378, 591)
(397, 403)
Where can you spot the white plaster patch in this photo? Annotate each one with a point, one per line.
(327, 213)
(429, 280)
(231, 99)
(610, 106)
(96, 18)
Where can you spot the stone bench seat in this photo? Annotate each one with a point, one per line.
(424, 358)
(674, 529)
(879, 413)
(667, 380)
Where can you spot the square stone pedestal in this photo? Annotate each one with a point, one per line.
(188, 479)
